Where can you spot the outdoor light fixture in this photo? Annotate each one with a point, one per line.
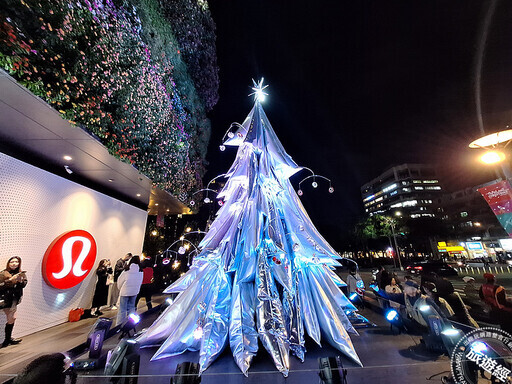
(492, 157)
(154, 233)
(451, 332)
(68, 170)
(188, 229)
(129, 325)
(314, 184)
(392, 315)
(67, 157)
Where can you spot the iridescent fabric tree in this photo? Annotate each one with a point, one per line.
(263, 272)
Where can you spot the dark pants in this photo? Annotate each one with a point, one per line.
(146, 290)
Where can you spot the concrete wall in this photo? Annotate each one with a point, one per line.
(35, 208)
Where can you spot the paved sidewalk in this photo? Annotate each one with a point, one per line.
(60, 338)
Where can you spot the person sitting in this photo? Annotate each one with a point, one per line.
(414, 304)
(391, 290)
(430, 290)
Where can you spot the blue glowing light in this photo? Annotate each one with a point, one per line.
(478, 347)
(392, 315)
(450, 332)
(360, 284)
(353, 296)
(134, 317)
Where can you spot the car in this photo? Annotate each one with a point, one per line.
(428, 266)
(477, 262)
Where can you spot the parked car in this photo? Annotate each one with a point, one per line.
(427, 266)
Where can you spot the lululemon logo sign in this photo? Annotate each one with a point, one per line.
(69, 259)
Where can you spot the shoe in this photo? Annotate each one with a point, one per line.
(15, 341)
(5, 344)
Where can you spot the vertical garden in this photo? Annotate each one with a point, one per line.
(140, 75)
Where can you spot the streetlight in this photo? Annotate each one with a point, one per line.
(494, 144)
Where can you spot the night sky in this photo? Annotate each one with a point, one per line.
(358, 86)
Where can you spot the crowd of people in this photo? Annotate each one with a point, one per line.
(119, 288)
(488, 300)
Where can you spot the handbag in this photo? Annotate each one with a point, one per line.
(75, 314)
(110, 279)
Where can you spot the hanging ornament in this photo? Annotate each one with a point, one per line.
(331, 190)
(192, 202)
(181, 250)
(221, 203)
(207, 200)
(231, 135)
(239, 134)
(314, 184)
(198, 333)
(299, 192)
(222, 148)
(296, 247)
(301, 227)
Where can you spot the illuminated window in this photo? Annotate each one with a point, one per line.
(435, 187)
(406, 189)
(410, 203)
(417, 181)
(418, 188)
(430, 181)
(463, 214)
(389, 188)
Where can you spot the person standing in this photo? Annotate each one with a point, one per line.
(495, 296)
(120, 266)
(146, 289)
(12, 282)
(383, 278)
(129, 283)
(101, 292)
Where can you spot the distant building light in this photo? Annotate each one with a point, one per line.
(389, 188)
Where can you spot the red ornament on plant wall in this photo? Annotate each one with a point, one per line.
(69, 259)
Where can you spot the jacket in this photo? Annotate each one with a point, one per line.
(494, 296)
(11, 292)
(129, 281)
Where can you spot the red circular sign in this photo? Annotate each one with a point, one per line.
(69, 259)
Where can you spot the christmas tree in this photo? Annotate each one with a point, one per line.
(263, 271)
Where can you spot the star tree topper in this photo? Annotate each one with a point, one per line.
(258, 88)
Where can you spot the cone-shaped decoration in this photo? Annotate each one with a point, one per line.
(263, 271)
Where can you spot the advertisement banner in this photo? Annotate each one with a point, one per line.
(499, 198)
